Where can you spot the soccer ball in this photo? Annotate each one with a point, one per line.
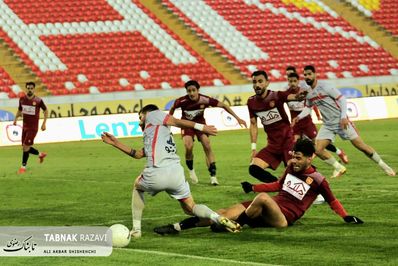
(120, 235)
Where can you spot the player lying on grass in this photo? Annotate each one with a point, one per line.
(298, 188)
(163, 171)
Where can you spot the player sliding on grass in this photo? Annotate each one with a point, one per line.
(333, 107)
(297, 189)
(163, 171)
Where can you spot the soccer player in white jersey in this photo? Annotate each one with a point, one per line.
(333, 107)
(163, 171)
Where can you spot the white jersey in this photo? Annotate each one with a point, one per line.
(325, 98)
(159, 146)
(297, 106)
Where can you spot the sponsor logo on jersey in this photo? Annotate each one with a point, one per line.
(28, 110)
(295, 186)
(190, 115)
(270, 116)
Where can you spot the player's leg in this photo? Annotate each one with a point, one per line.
(137, 207)
(372, 154)
(342, 155)
(264, 159)
(210, 158)
(324, 138)
(188, 139)
(263, 205)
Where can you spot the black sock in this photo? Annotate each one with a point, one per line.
(243, 219)
(331, 147)
(261, 174)
(212, 169)
(33, 151)
(189, 223)
(25, 157)
(189, 164)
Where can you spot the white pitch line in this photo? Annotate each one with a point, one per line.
(170, 254)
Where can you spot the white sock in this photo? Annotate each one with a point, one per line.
(202, 211)
(137, 207)
(333, 162)
(338, 151)
(376, 158)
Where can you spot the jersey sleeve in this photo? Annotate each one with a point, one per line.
(251, 113)
(213, 102)
(333, 92)
(267, 187)
(43, 106)
(177, 103)
(282, 95)
(20, 105)
(157, 118)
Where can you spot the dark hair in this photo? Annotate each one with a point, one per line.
(259, 73)
(148, 108)
(293, 75)
(305, 146)
(192, 83)
(30, 83)
(309, 67)
(291, 68)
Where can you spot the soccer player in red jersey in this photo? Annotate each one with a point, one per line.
(268, 107)
(29, 108)
(193, 106)
(297, 190)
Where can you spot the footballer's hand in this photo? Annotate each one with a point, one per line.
(43, 127)
(108, 138)
(211, 130)
(301, 95)
(247, 187)
(344, 123)
(352, 220)
(14, 123)
(242, 123)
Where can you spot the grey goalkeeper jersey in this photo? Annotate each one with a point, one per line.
(160, 148)
(327, 99)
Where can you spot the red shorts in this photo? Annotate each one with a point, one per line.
(305, 127)
(192, 132)
(278, 148)
(28, 136)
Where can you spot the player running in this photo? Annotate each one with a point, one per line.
(333, 107)
(29, 108)
(163, 171)
(297, 189)
(193, 106)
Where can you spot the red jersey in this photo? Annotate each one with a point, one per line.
(30, 109)
(194, 110)
(297, 191)
(272, 114)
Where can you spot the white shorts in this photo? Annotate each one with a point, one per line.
(329, 132)
(170, 179)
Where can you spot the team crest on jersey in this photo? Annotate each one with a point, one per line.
(295, 186)
(309, 180)
(272, 103)
(34, 103)
(269, 117)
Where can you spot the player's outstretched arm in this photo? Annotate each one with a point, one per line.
(112, 140)
(182, 123)
(17, 115)
(43, 125)
(229, 110)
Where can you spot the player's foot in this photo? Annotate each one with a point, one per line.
(135, 233)
(339, 172)
(166, 230)
(389, 171)
(21, 170)
(230, 225)
(214, 181)
(194, 178)
(42, 155)
(319, 200)
(343, 157)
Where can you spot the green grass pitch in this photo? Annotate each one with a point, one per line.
(89, 183)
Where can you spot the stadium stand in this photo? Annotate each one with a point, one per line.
(94, 46)
(8, 88)
(383, 12)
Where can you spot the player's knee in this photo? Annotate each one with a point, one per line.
(282, 224)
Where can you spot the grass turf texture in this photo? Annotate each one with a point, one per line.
(89, 183)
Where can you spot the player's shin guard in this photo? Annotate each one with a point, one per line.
(25, 157)
(262, 175)
(189, 164)
(212, 169)
(137, 207)
(188, 223)
(202, 211)
(33, 151)
(331, 148)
